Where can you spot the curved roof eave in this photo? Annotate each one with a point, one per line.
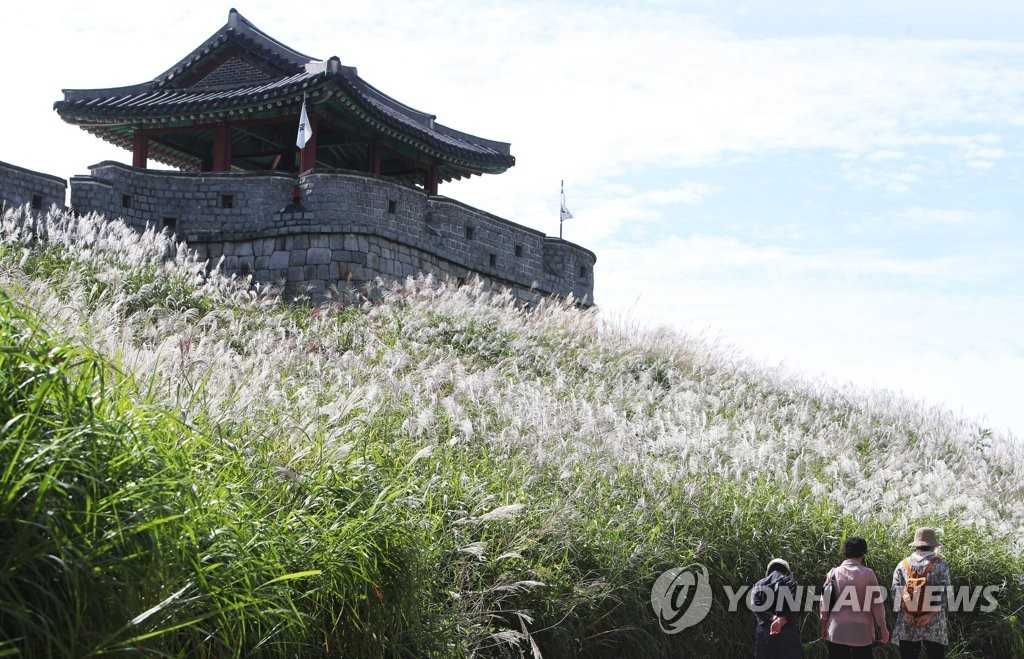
(139, 103)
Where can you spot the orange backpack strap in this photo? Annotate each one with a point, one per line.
(912, 573)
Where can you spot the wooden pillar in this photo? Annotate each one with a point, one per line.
(307, 158)
(140, 149)
(374, 165)
(430, 180)
(222, 148)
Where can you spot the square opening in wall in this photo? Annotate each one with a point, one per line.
(227, 201)
(171, 224)
(494, 260)
(519, 251)
(583, 271)
(469, 233)
(37, 201)
(392, 207)
(126, 201)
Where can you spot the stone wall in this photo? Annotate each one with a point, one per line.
(19, 187)
(348, 229)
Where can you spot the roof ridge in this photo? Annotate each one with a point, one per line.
(235, 15)
(240, 29)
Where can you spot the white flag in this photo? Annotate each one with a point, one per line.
(564, 214)
(305, 129)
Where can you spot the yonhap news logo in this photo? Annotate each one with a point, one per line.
(682, 597)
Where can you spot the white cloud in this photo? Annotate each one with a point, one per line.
(926, 217)
(886, 154)
(895, 177)
(700, 256)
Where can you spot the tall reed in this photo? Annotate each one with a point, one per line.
(194, 467)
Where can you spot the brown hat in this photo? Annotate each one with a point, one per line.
(925, 537)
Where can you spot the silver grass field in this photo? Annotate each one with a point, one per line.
(192, 466)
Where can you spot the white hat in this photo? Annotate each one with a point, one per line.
(777, 561)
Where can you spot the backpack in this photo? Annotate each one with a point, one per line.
(830, 594)
(917, 609)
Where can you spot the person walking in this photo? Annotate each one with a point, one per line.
(852, 608)
(774, 603)
(921, 584)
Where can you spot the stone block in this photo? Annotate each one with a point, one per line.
(318, 256)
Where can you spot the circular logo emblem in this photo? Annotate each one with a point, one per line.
(681, 597)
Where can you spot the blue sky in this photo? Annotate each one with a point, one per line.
(831, 186)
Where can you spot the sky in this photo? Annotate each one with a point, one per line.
(833, 187)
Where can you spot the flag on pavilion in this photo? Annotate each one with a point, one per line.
(564, 214)
(305, 129)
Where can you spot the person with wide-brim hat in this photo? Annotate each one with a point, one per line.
(922, 623)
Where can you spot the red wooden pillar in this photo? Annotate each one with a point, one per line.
(430, 180)
(374, 165)
(307, 159)
(140, 149)
(222, 148)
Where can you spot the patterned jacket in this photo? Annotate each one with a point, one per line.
(938, 577)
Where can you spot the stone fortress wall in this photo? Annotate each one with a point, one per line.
(347, 229)
(19, 186)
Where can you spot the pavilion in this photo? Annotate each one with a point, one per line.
(233, 104)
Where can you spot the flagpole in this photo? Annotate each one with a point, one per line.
(561, 215)
(302, 140)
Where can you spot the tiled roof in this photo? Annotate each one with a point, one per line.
(331, 87)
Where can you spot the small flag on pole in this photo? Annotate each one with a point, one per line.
(305, 129)
(564, 214)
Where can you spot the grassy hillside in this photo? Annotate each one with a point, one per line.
(191, 467)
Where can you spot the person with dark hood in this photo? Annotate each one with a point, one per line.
(775, 601)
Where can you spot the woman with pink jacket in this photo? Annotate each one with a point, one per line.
(852, 605)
